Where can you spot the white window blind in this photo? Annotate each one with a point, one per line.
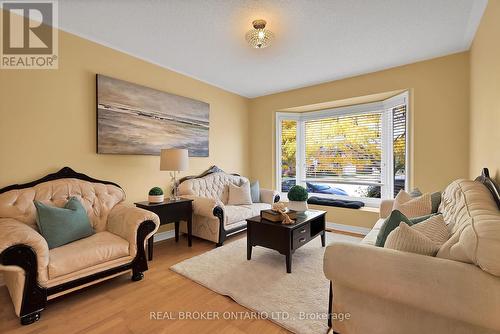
(357, 152)
(345, 149)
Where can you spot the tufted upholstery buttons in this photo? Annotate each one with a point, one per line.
(212, 186)
(97, 199)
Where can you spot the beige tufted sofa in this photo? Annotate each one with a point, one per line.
(213, 219)
(33, 273)
(458, 291)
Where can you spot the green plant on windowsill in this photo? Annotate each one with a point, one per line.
(297, 196)
(297, 193)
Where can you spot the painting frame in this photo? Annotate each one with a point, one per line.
(133, 119)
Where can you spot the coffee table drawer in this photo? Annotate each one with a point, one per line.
(300, 241)
(303, 231)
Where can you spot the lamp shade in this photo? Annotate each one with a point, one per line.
(174, 159)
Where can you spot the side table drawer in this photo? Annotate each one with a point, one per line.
(178, 211)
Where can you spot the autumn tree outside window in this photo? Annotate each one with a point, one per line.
(358, 152)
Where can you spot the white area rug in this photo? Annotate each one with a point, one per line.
(263, 285)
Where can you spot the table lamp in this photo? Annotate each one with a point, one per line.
(174, 160)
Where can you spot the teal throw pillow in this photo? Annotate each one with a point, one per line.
(393, 221)
(415, 192)
(255, 192)
(60, 226)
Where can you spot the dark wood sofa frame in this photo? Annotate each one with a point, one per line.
(219, 211)
(35, 296)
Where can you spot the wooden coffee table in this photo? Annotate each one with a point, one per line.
(286, 239)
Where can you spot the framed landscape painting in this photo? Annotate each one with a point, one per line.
(133, 119)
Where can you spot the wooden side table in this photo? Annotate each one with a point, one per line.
(170, 211)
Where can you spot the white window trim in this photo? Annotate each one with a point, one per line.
(281, 116)
(404, 98)
(383, 106)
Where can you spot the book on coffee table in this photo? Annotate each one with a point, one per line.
(276, 216)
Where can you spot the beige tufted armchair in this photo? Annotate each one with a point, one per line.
(33, 273)
(213, 218)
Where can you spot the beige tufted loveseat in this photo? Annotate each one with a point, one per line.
(458, 291)
(213, 218)
(33, 273)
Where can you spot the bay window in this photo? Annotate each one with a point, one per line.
(357, 152)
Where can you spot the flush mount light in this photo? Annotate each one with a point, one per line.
(259, 37)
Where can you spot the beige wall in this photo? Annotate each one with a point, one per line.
(439, 91)
(48, 119)
(485, 94)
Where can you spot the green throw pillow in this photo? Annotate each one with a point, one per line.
(393, 221)
(255, 192)
(60, 226)
(435, 200)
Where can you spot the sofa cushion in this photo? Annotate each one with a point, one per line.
(415, 192)
(413, 207)
(256, 208)
(406, 238)
(255, 191)
(433, 228)
(474, 221)
(423, 238)
(239, 195)
(371, 237)
(60, 226)
(236, 213)
(335, 202)
(213, 186)
(98, 248)
(435, 198)
(435, 201)
(392, 222)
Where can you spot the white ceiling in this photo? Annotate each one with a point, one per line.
(316, 40)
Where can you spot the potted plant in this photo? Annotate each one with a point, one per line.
(297, 196)
(156, 195)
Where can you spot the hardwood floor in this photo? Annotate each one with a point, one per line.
(122, 306)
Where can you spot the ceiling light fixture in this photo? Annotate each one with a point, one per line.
(259, 37)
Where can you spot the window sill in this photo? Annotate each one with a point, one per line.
(370, 203)
(364, 209)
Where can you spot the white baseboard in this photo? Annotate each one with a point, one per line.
(348, 228)
(164, 235)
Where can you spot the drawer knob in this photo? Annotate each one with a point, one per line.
(302, 239)
(303, 230)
